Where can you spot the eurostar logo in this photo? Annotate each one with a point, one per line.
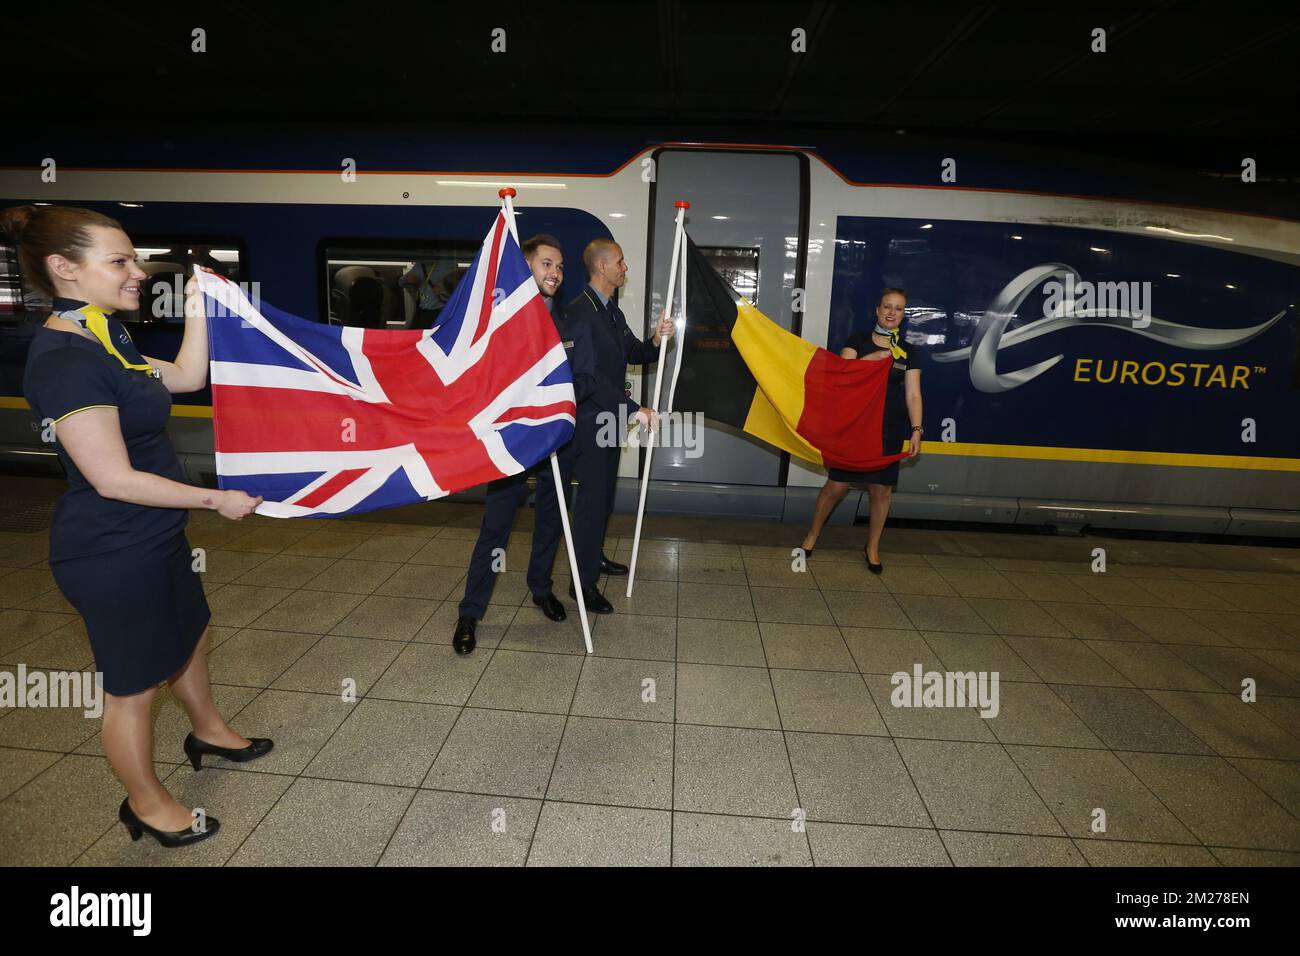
(1070, 302)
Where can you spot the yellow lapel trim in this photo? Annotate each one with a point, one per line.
(97, 325)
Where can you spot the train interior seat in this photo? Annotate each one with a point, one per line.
(341, 311)
(366, 299)
(394, 309)
(409, 300)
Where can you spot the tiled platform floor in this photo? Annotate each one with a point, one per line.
(728, 699)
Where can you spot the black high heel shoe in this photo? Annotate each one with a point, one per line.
(170, 839)
(195, 749)
(873, 568)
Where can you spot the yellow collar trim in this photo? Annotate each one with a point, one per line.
(95, 322)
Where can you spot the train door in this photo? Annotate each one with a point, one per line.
(749, 216)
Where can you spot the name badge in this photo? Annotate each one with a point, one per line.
(568, 344)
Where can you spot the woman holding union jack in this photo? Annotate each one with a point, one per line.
(118, 550)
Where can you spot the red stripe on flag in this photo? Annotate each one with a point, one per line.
(539, 411)
(490, 283)
(454, 454)
(331, 488)
(329, 374)
(256, 419)
(843, 411)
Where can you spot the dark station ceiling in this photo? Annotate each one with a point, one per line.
(1188, 85)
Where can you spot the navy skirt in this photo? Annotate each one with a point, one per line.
(895, 434)
(144, 608)
(885, 476)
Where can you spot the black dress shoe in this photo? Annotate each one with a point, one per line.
(171, 839)
(595, 601)
(873, 568)
(464, 640)
(550, 606)
(195, 749)
(612, 568)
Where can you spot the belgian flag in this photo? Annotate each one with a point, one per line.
(742, 369)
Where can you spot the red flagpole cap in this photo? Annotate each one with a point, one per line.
(508, 191)
(682, 204)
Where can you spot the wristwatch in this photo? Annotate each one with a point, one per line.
(918, 428)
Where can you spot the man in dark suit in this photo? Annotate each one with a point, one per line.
(604, 347)
(504, 495)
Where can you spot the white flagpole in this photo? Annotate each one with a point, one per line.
(568, 543)
(506, 195)
(678, 248)
(681, 333)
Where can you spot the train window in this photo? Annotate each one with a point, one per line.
(11, 286)
(374, 285)
(738, 266)
(17, 300)
(167, 262)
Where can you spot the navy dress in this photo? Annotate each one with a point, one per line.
(126, 568)
(895, 426)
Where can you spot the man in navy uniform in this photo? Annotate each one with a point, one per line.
(604, 347)
(542, 252)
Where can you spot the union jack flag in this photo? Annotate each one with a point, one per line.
(331, 421)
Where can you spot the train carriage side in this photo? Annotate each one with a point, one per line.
(1048, 399)
(1087, 362)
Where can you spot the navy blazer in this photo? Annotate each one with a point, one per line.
(602, 348)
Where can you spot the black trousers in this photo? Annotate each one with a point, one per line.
(596, 470)
(504, 496)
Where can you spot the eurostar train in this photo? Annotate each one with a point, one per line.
(1100, 349)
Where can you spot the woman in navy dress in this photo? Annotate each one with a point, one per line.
(901, 423)
(118, 550)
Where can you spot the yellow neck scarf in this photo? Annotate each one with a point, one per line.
(95, 321)
(895, 344)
